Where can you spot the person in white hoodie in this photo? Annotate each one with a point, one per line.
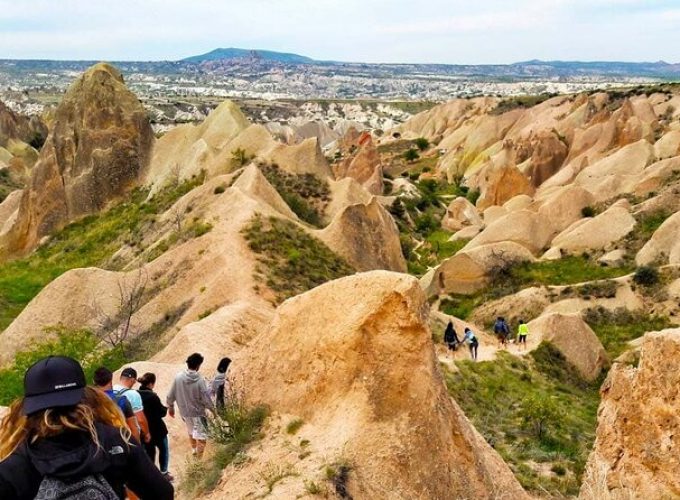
(190, 391)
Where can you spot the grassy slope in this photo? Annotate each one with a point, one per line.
(90, 241)
(493, 395)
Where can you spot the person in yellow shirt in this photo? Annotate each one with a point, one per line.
(522, 333)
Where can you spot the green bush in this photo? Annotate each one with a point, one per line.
(411, 155)
(646, 276)
(539, 414)
(422, 143)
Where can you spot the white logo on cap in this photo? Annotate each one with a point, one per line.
(64, 386)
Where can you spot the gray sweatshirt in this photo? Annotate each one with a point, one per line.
(191, 393)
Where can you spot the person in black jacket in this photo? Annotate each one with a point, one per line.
(63, 430)
(155, 411)
(450, 337)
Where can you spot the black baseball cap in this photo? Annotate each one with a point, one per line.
(53, 382)
(129, 372)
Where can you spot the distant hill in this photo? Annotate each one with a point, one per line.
(267, 55)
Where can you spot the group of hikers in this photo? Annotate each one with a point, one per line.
(67, 439)
(501, 330)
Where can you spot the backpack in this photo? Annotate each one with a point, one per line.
(93, 487)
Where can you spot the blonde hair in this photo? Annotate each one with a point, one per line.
(95, 407)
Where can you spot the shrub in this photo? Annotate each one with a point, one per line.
(422, 143)
(411, 155)
(588, 211)
(220, 189)
(538, 413)
(294, 425)
(426, 223)
(231, 430)
(473, 195)
(646, 276)
(240, 157)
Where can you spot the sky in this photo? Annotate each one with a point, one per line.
(394, 31)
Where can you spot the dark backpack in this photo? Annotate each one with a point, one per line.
(93, 487)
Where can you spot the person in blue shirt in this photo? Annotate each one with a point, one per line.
(103, 380)
(472, 342)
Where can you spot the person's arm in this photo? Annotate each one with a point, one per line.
(144, 479)
(143, 426)
(170, 399)
(160, 407)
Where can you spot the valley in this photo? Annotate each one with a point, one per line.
(324, 241)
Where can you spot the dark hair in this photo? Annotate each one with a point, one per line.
(223, 365)
(147, 379)
(102, 376)
(467, 329)
(521, 321)
(194, 361)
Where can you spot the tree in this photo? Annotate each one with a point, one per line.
(422, 143)
(411, 155)
(116, 326)
(538, 413)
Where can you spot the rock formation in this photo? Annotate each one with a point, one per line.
(636, 451)
(368, 377)
(459, 214)
(664, 245)
(366, 236)
(363, 166)
(97, 151)
(574, 339)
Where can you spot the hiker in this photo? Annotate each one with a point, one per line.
(102, 379)
(473, 343)
(218, 387)
(128, 377)
(64, 439)
(191, 393)
(522, 332)
(450, 337)
(155, 411)
(502, 331)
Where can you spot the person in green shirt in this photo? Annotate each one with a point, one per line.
(522, 333)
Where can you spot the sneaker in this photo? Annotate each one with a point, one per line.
(169, 477)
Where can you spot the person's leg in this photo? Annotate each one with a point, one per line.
(150, 449)
(164, 455)
(476, 347)
(189, 422)
(200, 435)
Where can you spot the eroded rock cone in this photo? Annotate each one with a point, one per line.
(355, 357)
(99, 146)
